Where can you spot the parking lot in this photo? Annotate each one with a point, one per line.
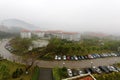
(79, 64)
(93, 70)
(60, 63)
(85, 57)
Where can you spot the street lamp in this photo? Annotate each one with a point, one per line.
(91, 64)
(115, 61)
(63, 64)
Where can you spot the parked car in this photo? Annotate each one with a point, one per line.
(97, 70)
(87, 70)
(113, 54)
(82, 57)
(69, 71)
(86, 57)
(64, 57)
(92, 70)
(80, 72)
(104, 69)
(71, 58)
(59, 57)
(68, 57)
(56, 57)
(117, 68)
(112, 69)
(118, 54)
(75, 57)
(97, 55)
(79, 58)
(90, 56)
(74, 72)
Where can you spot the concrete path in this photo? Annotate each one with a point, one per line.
(45, 74)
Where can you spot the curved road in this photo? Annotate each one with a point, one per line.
(6, 54)
(50, 64)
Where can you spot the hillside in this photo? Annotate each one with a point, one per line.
(11, 23)
(6, 35)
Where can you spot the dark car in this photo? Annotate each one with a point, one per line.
(87, 70)
(75, 72)
(82, 57)
(86, 57)
(92, 70)
(104, 69)
(71, 58)
(79, 58)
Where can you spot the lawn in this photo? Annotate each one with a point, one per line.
(35, 76)
(11, 67)
(59, 73)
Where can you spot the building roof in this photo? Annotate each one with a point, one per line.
(37, 31)
(70, 33)
(25, 30)
(59, 31)
(54, 31)
(84, 78)
(81, 77)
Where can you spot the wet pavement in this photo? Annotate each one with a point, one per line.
(45, 74)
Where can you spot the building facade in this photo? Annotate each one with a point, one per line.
(71, 36)
(25, 34)
(39, 33)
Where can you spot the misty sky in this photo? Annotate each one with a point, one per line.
(70, 15)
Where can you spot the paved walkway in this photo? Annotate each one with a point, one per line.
(50, 64)
(6, 54)
(45, 74)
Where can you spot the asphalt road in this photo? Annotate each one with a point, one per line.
(51, 64)
(6, 54)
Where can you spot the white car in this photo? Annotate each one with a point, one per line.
(75, 57)
(80, 72)
(56, 57)
(64, 57)
(69, 71)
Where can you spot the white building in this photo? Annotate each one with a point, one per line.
(25, 34)
(40, 34)
(40, 43)
(72, 36)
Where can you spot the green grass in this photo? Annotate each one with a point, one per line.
(110, 76)
(35, 76)
(56, 74)
(12, 67)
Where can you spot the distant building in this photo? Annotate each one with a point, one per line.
(39, 33)
(25, 34)
(81, 77)
(40, 43)
(71, 36)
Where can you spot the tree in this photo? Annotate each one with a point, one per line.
(20, 45)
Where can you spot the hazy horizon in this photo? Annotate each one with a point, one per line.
(68, 15)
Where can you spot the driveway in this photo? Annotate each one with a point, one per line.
(45, 74)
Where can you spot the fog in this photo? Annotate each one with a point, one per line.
(69, 15)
